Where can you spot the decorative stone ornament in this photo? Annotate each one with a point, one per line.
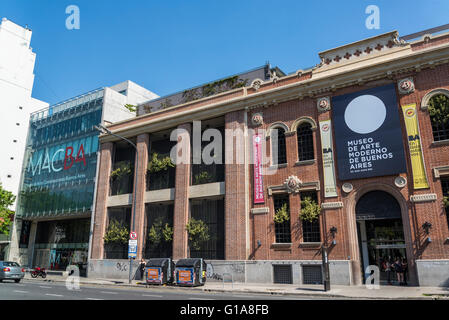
(256, 84)
(400, 182)
(406, 86)
(293, 184)
(257, 119)
(347, 187)
(323, 104)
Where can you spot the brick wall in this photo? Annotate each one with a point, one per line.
(101, 211)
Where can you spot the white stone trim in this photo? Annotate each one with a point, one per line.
(423, 197)
(425, 100)
(260, 210)
(332, 205)
(441, 171)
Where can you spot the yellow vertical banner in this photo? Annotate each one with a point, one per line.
(414, 144)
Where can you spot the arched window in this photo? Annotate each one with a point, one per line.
(438, 107)
(304, 134)
(278, 149)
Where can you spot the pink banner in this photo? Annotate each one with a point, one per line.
(258, 178)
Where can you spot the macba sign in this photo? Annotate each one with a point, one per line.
(46, 161)
(368, 134)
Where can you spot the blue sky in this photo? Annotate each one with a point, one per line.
(167, 46)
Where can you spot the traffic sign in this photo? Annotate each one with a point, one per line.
(132, 249)
(133, 235)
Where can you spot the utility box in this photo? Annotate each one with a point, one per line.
(190, 272)
(159, 271)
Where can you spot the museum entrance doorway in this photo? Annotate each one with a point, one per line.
(380, 233)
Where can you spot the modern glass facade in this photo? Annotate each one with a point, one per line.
(58, 181)
(60, 159)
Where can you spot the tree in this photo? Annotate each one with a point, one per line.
(6, 215)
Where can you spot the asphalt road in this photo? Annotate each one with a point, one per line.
(42, 290)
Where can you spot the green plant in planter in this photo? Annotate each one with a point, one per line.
(310, 210)
(116, 233)
(439, 109)
(167, 233)
(198, 233)
(160, 232)
(158, 163)
(446, 202)
(281, 214)
(202, 177)
(123, 169)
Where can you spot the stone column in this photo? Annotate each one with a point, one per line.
(101, 210)
(182, 184)
(143, 141)
(236, 210)
(31, 242)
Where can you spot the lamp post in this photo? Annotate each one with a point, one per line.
(333, 231)
(427, 226)
(105, 130)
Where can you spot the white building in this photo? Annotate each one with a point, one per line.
(16, 83)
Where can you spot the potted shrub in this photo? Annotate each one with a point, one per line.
(120, 176)
(310, 210)
(115, 239)
(198, 233)
(160, 234)
(281, 215)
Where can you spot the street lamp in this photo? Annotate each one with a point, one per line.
(427, 226)
(333, 231)
(105, 130)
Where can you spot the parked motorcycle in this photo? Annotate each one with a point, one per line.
(38, 272)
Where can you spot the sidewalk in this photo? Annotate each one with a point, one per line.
(350, 292)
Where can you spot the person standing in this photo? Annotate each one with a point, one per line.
(142, 265)
(404, 269)
(399, 270)
(386, 265)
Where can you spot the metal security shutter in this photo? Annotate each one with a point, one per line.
(283, 274)
(312, 275)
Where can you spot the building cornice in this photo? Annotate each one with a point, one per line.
(387, 67)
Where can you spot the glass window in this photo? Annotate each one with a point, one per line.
(212, 213)
(158, 216)
(282, 230)
(311, 229)
(279, 153)
(439, 117)
(304, 134)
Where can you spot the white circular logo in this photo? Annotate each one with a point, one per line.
(257, 139)
(365, 114)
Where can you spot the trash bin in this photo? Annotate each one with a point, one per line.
(159, 271)
(190, 272)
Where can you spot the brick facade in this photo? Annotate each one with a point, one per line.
(244, 229)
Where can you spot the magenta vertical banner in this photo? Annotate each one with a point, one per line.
(258, 178)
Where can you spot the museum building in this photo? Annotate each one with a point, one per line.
(358, 162)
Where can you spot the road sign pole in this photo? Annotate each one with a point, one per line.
(326, 273)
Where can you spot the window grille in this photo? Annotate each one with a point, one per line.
(305, 142)
(282, 230)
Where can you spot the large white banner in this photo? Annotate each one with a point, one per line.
(330, 185)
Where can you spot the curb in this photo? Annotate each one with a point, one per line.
(280, 293)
